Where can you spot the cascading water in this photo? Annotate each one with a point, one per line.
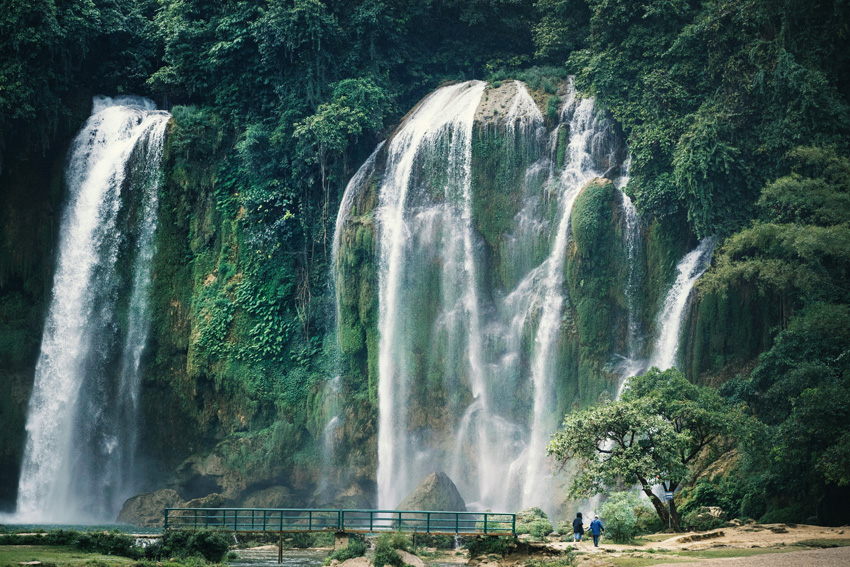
(409, 223)
(586, 136)
(82, 420)
(467, 371)
(689, 269)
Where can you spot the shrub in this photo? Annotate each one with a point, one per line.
(647, 520)
(211, 545)
(356, 548)
(106, 543)
(302, 540)
(620, 519)
(533, 521)
(704, 518)
(385, 549)
(753, 505)
(487, 545)
(436, 541)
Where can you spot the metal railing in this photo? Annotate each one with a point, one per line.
(358, 521)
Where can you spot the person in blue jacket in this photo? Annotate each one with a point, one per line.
(596, 530)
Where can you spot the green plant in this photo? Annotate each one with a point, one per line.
(486, 545)
(385, 549)
(704, 519)
(211, 545)
(356, 548)
(533, 521)
(620, 519)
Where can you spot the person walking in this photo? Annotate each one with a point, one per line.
(578, 527)
(596, 529)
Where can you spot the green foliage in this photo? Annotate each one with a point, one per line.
(701, 519)
(104, 543)
(490, 545)
(655, 431)
(621, 523)
(533, 521)
(356, 548)
(385, 549)
(711, 95)
(211, 545)
(568, 559)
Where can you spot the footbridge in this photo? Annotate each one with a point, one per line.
(276, 520)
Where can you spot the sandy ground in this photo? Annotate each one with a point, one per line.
(746, 536)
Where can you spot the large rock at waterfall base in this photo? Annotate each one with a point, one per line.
(145, 510)
(436, 492)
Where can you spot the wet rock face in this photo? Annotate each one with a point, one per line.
(435, 492)
(145, 510)
(271, 497)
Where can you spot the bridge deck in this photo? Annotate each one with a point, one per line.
(350, 521)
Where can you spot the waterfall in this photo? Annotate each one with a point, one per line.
(689, 269)
(587, 140)
(467, 371)
(409, 223)
(82, 419)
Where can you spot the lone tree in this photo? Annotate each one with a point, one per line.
(649, 437)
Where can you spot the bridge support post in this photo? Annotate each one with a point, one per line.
(340, 540)
(280, 547)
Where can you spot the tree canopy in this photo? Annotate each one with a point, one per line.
(649, 437)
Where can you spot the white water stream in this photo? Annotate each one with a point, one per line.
(83, 413)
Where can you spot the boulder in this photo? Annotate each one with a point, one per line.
(410, 559)
(271, 497)
(145, 510)
(436, 492)
(214, 500)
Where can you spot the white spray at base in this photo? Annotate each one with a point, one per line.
(79, 458)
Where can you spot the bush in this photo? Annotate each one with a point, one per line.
(704, 519)
(211, 545)
(753, 505)
(487, 545)
(435, 541)
(106, 543)
(356, 548)
(533, 521)
(385, 549)
(647, 520)
(620, 519)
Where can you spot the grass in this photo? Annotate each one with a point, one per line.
(820, 543)
(57, 556)
(11, 555)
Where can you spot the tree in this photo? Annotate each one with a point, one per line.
(650, 436)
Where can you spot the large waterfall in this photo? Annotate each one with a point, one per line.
(468, 367)
(82, 419)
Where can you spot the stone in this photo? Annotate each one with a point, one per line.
(356, 562)
(435, 492)
(271, 497)
(145, 510)
(410, 559)
(214, 500)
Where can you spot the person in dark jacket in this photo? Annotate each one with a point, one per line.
(578, 527)
(596, 530)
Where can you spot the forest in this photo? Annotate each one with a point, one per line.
(736, 114)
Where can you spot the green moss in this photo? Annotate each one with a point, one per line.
(596, 268)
